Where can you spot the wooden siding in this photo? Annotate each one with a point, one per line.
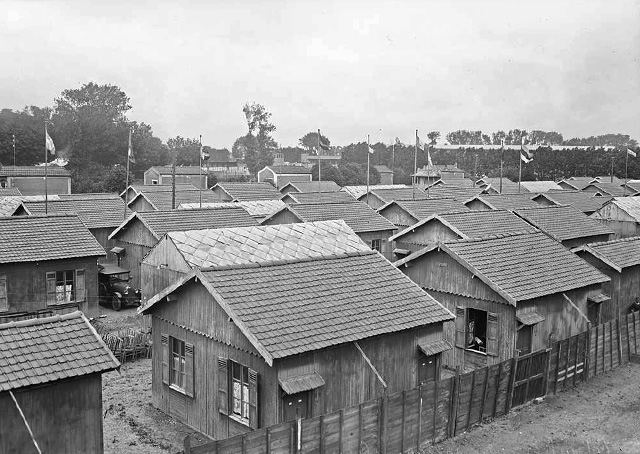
(141, 205)
(223, 196)
(151, 174)
(65, 417)
(35, 185)
(575, 242)
(617, 220)
(137, 241)
(282, 217)
(27, 285)
(102, 236)
(197, 318)
(477, 205)
(373, 201)
(426, 235)
(383, 235)
(162, 266)
(398, 216)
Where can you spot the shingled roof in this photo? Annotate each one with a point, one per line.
(541, 186)
(578, 182)
(583, 201)
(506, 201)
(453, 192)
(475, 224)
(249, 191)
(388, 195)
(298, 312)
(290, 170)
(630, 205)
(357, 190)
(138, 188)
(38, 238)
(318, 197)
(10, 205)
(310, 186)
(424, 208)
(5, 192)
(95, 210)
(563, 222)
(162, 200)
(33, 171)
(161, 222)
(180, 170)
(520, 266)
(266, 244)
(43, 350)
(612, 189)
(357, 215)
(618, 254)
(258, 209)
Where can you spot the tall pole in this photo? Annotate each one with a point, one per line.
(415, 165)
(393, 158)
(519, 173)
(501, 161)
(200, 172)
(319, 161)
(13, 137)
(626, 179)
(46, 173)
(126, 188)
(612, 169)
(429, 183)
(173, 183)
(368, 155)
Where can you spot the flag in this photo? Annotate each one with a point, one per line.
(324, 144)
(630, 152)
(49, 146)
(429, 161)
(204, 155)
(371, 150)
(13, 140)
(130, 155)
(419, 143)
(398, 141)
(525, 154)
(525, 159)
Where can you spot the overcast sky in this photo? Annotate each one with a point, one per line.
(349, 68)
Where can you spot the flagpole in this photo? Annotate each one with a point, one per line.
(368, 153)
(626, 179)
(14, 149)
(200, 172)
(501, 161)
(393, 158)
(415, 166)
(428, 172)
(519, 172)
(126, 188)
(319, 161)
(46, 194)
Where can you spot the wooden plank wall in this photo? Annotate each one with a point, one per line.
(411, 420)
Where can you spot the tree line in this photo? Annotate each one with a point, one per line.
(90, 128)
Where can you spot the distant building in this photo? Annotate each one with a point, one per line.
(227, 191)
(29, 180)
(279, 176)
(386, 174)
(583, 201)
(310, 186)
(163, 175)
(431, 174)
(622, 215)
(52, 367)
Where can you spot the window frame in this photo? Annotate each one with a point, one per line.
(56, 283)
(226, 396)
(379, 244)
(243, 387)
(4, 298)
(177, 375)
(490, 335)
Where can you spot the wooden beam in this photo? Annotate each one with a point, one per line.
(564, 295)
(512, 380)
(368, 361)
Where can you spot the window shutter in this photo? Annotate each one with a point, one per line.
(188, 370)
(4, 303)
(253, 399)
(51, 287)
(461, 340)
(165, 358)
(80, 286)
(492, 334)
(223, 387)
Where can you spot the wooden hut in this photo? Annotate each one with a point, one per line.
(310, 186)
(135, 189)
(566, 224)
(376, 198)
(48, 264)
(135, 237)
(501, 202)
(238, 192)
(372, 228)
(271, 335)
(317, 197)
(165, 200)
(622, 215)
(518, 291)
(50, 379)
(280, 175)
(403, 213)
(585, 202)
(620, 260)
(257, 209)
(163, 175)
(607, 189)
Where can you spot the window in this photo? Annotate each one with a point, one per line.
(376, 245)
(65, 286)
(477, 330)
(4, 302)
(238, 392)
(523, 341)
(154, 181)
(177, 364)
(176, 367)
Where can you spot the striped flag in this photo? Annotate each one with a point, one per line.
(324, 144)
(525, 154)
(130, 155)
(630, 152)
(204, 155)
(371, 150)
(49, 146)
(429, 161)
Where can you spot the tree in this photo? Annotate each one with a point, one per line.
(310, 141)
(433, 137)
(186, 151)
(257, 146)
(329, 173)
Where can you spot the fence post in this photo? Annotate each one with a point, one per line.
(453, 409)
(595, 356)
(473, 385)
(546, 371)
(619, 342)
(187, 444)
(626, 326)
(419, 418)
(575, 360)
(382, 436)
(360, 427)
(484, 393)
(495, 399)
(611, 342)
(587, 356)
(435, 410)
(512, 380)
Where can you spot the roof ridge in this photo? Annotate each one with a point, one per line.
(55, 214)
(289, 261)
(619, 240)
(41, 321)
(495, 236)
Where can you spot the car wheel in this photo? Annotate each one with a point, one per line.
(116, 304)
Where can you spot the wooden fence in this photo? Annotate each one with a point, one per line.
(408, 421)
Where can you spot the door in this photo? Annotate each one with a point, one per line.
(523, 342)
(296, 406)
(427, 368)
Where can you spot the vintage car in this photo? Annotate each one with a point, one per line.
(114, 289)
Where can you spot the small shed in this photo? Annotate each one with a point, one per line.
(51, 380)
(583, 201)
(377, 198)
(494, 186)
(501, 202)
(566, 224)
(576, 183)
(372, 228)
(403, 213)
(608, 189)
(620, 260)
(310, 186)
(279, 176)
(386, 174)
(240, 192)
(163, 175)
(257, 209)
(622, 215)
(297, 332)
(513, 291)
(29, 180)
(452, 226)
(48, 264)
(540, 186)
(164, 200)
(141, 231)
(135, 189)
